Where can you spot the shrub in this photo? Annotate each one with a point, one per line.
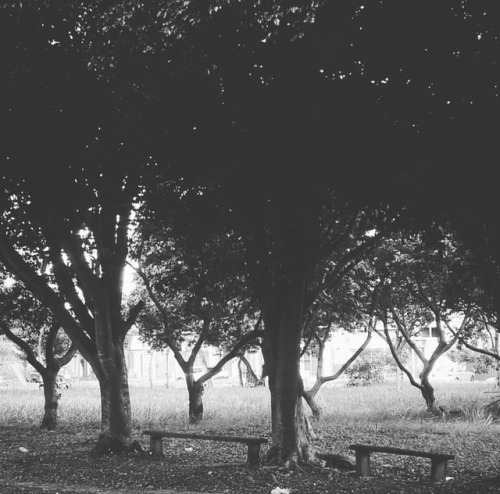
(369, 368)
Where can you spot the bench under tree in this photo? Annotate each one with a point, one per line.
(439, 461)
(253, 443)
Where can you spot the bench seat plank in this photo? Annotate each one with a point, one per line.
(399, 451)
(213, 437)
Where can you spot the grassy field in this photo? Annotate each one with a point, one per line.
(162, 407)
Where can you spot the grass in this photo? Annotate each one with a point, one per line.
(225, 407)
(378, 414)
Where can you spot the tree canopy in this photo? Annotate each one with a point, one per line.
(272, 118)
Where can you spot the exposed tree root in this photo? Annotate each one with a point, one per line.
(339, 462)
(112, 446)
(293, 461)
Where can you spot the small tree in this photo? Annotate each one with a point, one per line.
(196, 297)
(482, 335)
(37, 334)
(350, 305)
(420, 277)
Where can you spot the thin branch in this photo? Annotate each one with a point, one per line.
(398, 360)
(133, 314)
(405, 335)
(201, 339)
(249, 337)
(24, 346)
(356, 354)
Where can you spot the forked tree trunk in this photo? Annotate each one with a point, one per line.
(51, 396)
(310, 395)
(48, 373)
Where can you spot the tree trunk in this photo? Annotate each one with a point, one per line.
(240, 374)
(310, 397)
(399, 378)
(116, 416)
(195, 391)
(427, 390)
(51, 395)
(283, 331)
(251, 377)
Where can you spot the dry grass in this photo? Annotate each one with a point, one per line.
(162, 407)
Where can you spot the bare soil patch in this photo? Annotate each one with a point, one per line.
(60, 462)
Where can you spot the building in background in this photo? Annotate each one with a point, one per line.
(159, 367)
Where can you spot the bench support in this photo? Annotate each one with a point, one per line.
(156, 445)
(253, 457)
(439, 461)
(362, 463)
(438, 469)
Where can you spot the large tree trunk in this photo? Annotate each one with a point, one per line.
(51, 396)
(116, 416)
(283, 331)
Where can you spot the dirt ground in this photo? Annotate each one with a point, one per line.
(34, 462)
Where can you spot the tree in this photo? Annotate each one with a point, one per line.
(423, 286)
(481, 363)
(196, 295)
(324, 103)
(70, 176)
(28, 325)
(305, 99)
(344, 306)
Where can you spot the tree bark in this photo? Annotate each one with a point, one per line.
(240, 374)
(51, 396)
(195, 402)
(116, 416)
(310, 397)
(427, 391)
(251, 377)
(283, 318)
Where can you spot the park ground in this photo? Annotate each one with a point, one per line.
(33, 461)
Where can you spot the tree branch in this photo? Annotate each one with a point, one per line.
(249, 337)
(30, 354)
(398, 360)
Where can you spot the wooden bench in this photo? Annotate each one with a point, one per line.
(253, 443)
(439, 461)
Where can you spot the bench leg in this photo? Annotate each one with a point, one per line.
(438, 469)
(156, 445)
(253, 454)
(362, 463)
